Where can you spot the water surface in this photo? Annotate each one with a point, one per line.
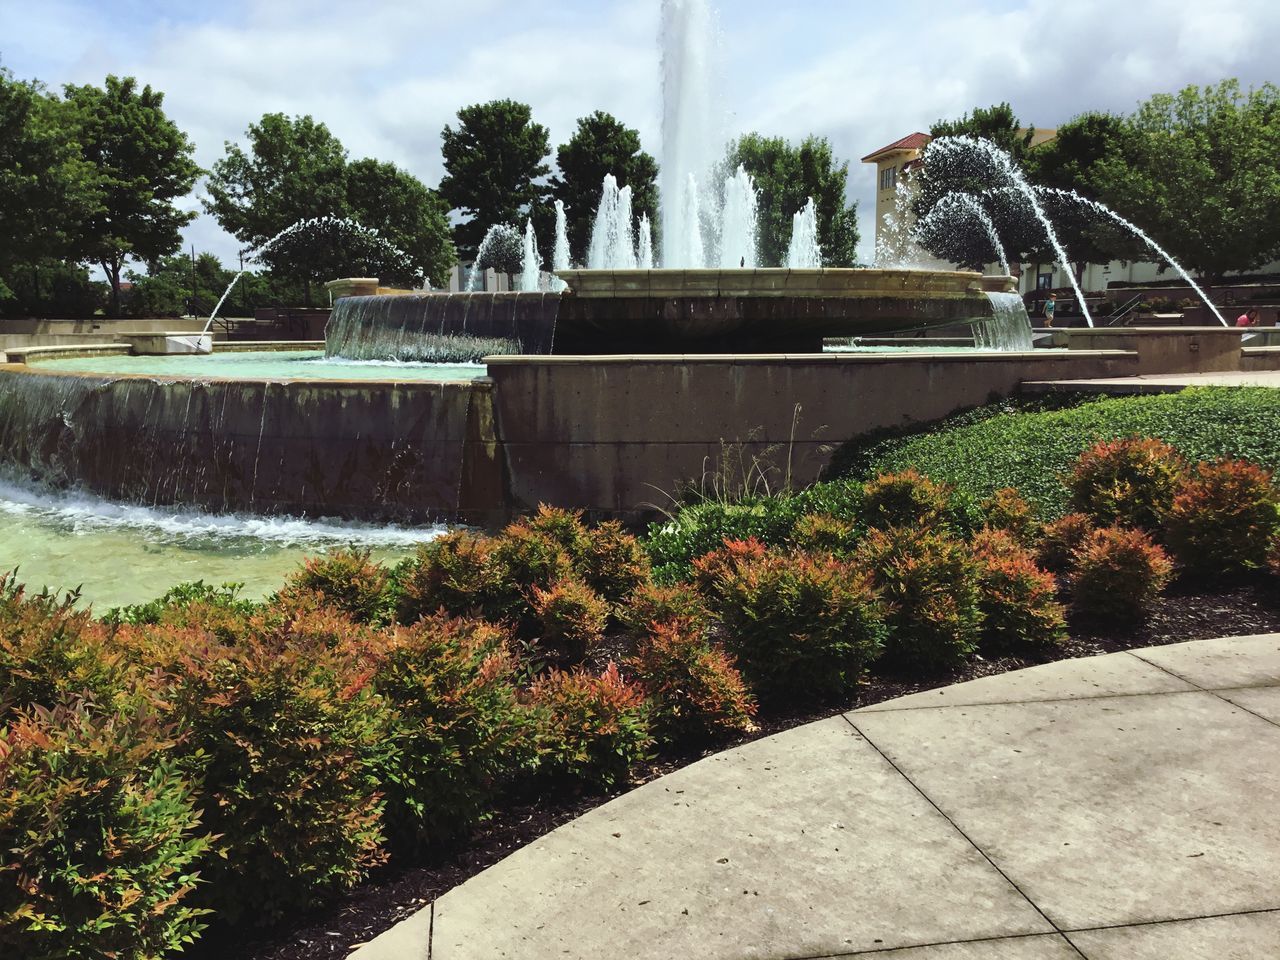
(267, 365)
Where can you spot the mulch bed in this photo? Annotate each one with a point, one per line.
(396, 892)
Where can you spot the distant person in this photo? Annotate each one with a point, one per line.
(1050, 306)
(1248, 319)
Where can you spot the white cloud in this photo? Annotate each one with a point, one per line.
(387, 75)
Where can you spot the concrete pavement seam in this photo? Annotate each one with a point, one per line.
(1213, 691)
(431, 929)
(1156, 923)
(955, 826)
(933, 943)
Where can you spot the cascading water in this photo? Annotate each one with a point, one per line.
(1009, 327)
(1141, 235)
(530, 262)
(612, 244)
(955, 206)
(644, 247)
(803, 252)
(692, 135)
(896, 245)
(739, 219)
(312, 223)
(959, 147)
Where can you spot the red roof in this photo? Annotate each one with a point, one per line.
(912, 141)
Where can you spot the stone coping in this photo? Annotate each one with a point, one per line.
(909, 355)
(23, 355)
(775, 282)
(265, 346)
(1145, 331)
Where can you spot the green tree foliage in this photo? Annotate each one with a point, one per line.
(786, 176)
(408, 214)
(296, 169)
(601, 145)
(141, 164)
(46, 189)
(494, 160)
(1199, 173)
(170, 282)
(997, 124)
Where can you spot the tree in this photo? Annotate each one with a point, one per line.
(141, 164)
(46, 188)
(406, 213)
(599, 146)
(493, 162)
(170, 283)
(369, 218)
(786, 177)
(996, 124)
(1199, 174)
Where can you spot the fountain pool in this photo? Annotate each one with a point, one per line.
(57, 539)
(263, 365)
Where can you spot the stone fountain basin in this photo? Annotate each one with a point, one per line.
(760, 309)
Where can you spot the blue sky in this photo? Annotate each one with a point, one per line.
(386, 75)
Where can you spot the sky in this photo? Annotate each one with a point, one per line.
(387, 75)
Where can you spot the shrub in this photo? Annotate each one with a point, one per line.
(457, 733)
(800, 626)
(525, 558)
(1020, 612)
(49, 649)
(1006, 510)
(571, 618)
(220, 610)
(1223, 518)
(348, 580)
(283, 740)
(1128, 482)
(697, 530)
(1119, 573)
(591, 729)
(456, 573)
(564, 528)
(820, 533)
(614, 565)
(1060, 539)
(303, 620)
(99, 836)
(904, 499)
(695, 689)
(656, 604)
(930, 580)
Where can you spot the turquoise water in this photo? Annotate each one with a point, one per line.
(267, 365)
(120, 553)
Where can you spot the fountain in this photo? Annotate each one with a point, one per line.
(739, 219)
(804, 252)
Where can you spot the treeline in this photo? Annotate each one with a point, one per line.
(96, 177)
(1198, 170)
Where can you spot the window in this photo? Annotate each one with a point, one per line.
(888, 178)
(1044, 281)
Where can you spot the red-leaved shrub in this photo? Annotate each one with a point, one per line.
(1129, 482)
(930, 580)
(1223, 518)
(1006, 510)
(455, 573)
(592, 729)
(571, 619)
(694, 686)
(1059, 540)
(653, 603)
(800, 626)
(348, 580)
(1119, 572)
(902, 499)
(1020, 612)
(822, 533)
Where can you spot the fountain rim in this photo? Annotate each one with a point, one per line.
(815, 282)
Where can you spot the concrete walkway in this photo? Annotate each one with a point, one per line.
(1121, 807)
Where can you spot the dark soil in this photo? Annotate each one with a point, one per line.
(398, 891)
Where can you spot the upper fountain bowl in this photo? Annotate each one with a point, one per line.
(759, 310)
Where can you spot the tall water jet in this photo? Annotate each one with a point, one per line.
(560, 250)
(1141, 235)
(739, 221)
(612, 244)
(644, 246)
(897, 245)
(804, 252)
(691, 129)
(950, 147)
(530, 262)
(948, 211)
